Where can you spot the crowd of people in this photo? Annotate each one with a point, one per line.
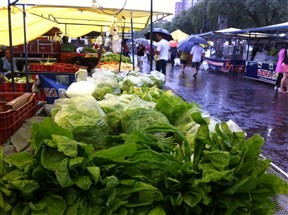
(162, 53)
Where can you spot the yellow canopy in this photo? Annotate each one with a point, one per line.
(34, 24)
(179, 35)
(76, 18)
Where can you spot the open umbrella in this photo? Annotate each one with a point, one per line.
(196, 39)
(185, 46)
(166, 34)
(142, 41)
(179, 35)
(173, 43)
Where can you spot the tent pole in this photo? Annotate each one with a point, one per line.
(10, 44)
(123, 28)
(247, 53)
(25, 48)
(132, 37)
(151, 34)
(66, 30)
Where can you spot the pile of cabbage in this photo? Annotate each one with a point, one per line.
(104, 82)
(144, 151)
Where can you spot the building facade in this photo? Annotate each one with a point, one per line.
(181, 5)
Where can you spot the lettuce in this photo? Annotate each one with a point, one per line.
(134, 119)
(104, 84)
(83, 117)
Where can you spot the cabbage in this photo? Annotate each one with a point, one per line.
(113, 106)
(147, 82)
(83, 117)
(104, 84)
(158, 78)
(134, 119)
(130, 81)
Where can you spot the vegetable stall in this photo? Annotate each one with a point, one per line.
(136, 150)
(120, 144)
(74, 20)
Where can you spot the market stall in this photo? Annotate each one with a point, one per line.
(262, 50)
(225, 52)
(134, 151)
(77, 19)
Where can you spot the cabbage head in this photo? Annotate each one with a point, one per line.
(105, 84)
(134, 119)
(83, 117)
(113, 106)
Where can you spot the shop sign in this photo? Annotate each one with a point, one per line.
(263, 73)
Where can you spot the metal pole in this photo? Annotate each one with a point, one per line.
(25, 48)
(123, 28)
(151, 34)
(205, 16)
(247, 53)
(10, 44)
(66, 30)
(132, 37)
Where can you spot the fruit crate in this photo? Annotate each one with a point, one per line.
(11, 120)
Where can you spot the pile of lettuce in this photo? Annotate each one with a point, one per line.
(195, 166)
(82, 116)
(139, 79)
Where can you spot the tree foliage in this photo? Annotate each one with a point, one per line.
(241, 14)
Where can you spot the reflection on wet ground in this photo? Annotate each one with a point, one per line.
(253, 105)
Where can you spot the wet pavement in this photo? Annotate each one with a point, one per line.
(255, 106)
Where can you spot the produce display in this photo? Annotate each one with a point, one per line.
(18, 80)
(111, 61)
(110, 57)
(106, 82)
(125, 155)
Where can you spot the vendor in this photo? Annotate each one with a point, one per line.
(5, 64)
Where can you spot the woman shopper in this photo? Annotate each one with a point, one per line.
(279, 67)
(285, 71)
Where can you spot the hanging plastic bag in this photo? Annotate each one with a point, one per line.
(116, 44)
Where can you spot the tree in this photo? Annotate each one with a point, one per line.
(241, 14)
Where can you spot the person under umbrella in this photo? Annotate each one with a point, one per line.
(184, 47)
(197, 52)
(162, 52)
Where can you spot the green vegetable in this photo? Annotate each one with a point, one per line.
(83, 117)
(140, 118)
(105, 84)
(192, 167)
(110, 57)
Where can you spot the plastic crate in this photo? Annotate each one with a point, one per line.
(11, 120)
(19, 87)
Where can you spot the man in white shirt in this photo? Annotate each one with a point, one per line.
(162, 51)
(197, 52)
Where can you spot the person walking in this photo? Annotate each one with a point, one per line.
(285, 71)
(140, 54)
(279, 67)
(173, 54)
(184, 56)
(197, 52)
(162, 52)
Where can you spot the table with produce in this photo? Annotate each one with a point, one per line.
(110, 61)
(121, 144)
